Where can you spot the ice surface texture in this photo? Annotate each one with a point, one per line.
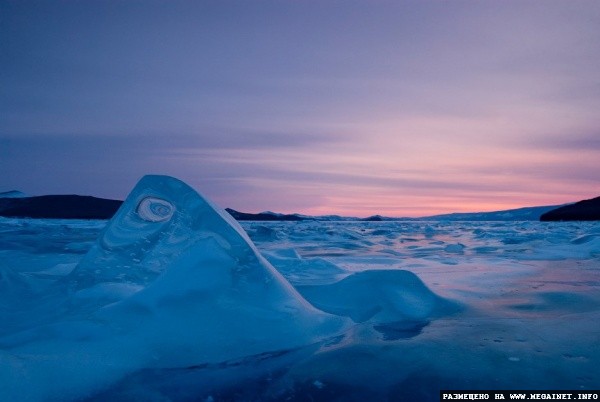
(531, 292)
(173, 281)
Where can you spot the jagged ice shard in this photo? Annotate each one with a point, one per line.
(193, 259)
(173, 281)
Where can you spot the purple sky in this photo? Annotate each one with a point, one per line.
(400, 108)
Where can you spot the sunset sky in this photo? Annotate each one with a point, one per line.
(399, 108)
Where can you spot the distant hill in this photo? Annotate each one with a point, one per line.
(586, 210)
(17, 204)
(264, 216)
(519, 214)
(59, 207)
(13, 194)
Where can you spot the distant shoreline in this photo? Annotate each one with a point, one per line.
(88, 207)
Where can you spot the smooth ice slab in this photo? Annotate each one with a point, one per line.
(379, 296)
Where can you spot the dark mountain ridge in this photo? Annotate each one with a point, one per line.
(17, 205)
(59, 207)
(264, 216)
(586, 210)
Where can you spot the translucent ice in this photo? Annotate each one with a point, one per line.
(173, 282)
(378, 296)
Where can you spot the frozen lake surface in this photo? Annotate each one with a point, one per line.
(528, 316)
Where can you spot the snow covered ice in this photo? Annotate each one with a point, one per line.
(171, 300)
